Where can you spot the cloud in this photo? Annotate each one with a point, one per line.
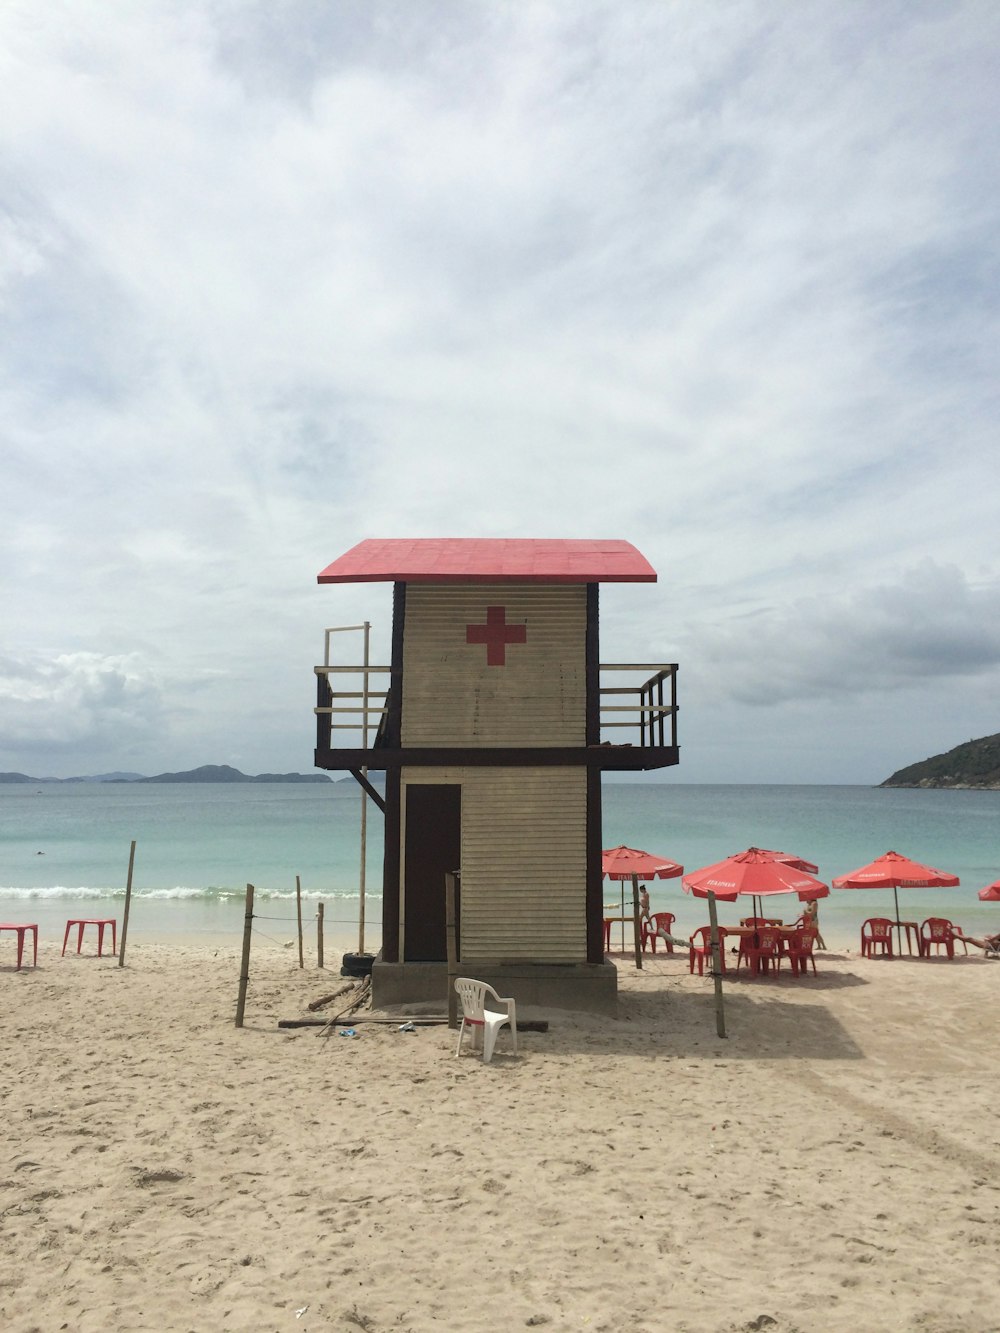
(931, 625)
(278, 276)
(78, 699)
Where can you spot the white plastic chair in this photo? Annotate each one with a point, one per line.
(484, 1020)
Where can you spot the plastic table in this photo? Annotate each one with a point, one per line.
(20, 941)
(101, 925)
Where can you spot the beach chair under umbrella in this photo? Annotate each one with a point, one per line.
(893, 871)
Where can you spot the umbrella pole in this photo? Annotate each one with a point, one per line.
(713, 933)
(635, 921)
(899, 927)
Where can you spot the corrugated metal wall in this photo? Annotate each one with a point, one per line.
(452, 697)
(524, 868)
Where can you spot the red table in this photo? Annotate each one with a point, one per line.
(100, 924)
(912, 932)
(783, 933)
(20, 941)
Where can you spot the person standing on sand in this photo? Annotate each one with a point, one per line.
(810, 920)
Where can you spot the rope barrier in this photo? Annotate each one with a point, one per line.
(261, 935)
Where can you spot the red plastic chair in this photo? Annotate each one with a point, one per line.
(701, 948)
(876, 935)
(799, 949)
(651, 925)
(759, 950)
(937, 932)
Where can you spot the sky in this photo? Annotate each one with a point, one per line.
(717, 278)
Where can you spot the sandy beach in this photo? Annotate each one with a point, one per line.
(833, 1164)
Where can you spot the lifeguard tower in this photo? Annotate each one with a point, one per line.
(493, 723)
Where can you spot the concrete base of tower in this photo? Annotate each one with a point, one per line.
(588, 987)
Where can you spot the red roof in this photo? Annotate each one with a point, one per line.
(489, 560)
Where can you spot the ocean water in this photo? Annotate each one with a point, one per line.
(64, 851)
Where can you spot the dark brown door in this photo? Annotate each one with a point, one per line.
(433, 848)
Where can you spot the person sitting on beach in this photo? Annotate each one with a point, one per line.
(646, 917)
(810, 920)
(659, 932)
(989, 943)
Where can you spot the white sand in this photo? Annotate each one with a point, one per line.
(834, 1164)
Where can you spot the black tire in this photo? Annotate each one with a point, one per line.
(357, 964)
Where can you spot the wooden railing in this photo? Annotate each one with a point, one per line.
(362, 710)
(650, 712)
(643, 716)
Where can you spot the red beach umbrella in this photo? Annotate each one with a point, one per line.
(754, 873)
(799, 862)
(991, 894)
(892, 871)
(630, 863)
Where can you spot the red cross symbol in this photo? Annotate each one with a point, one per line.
(496, 634)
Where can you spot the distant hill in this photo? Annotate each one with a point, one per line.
(974, 766)
(223, 773)
(208, 773)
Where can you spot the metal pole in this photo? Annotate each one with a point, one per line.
(364, 795)
(637, 928)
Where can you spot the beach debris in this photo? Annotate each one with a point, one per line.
(407, 1027)
(144, 1177)
(327, 999)
(354, 1316)
(346, 1032)
(300, 1313)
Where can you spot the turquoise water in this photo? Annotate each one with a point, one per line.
(64, 851)
(199, 845)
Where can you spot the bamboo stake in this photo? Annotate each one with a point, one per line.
(319, 934)
(636, 926)
(298, 913)
(449, 892)
(245, 963)
(128, 904)
(713, 918)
